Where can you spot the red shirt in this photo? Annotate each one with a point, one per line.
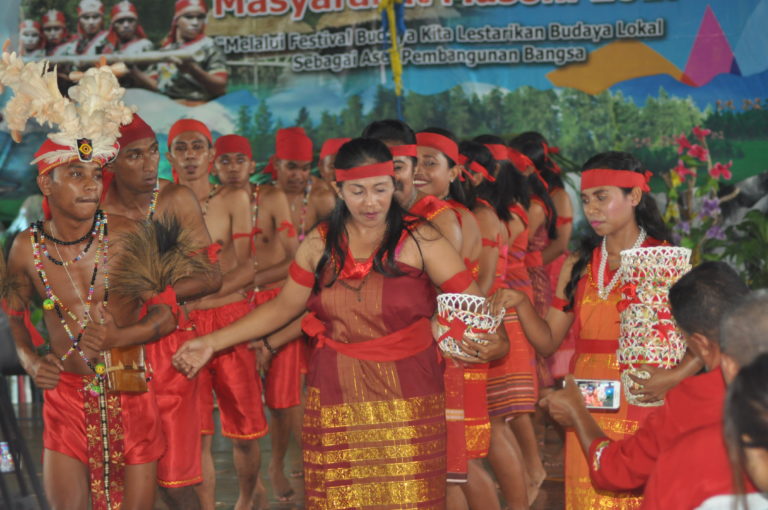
(678, 453)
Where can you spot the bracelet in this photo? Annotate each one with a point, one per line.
(271, 350)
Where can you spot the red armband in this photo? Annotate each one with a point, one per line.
(240, 235)
(166, 297)
(34, 334)
(560, 221)
(458, 282)
(493, 243)
(559, 303)
(212, 251)
(300, 275)
(288, 227)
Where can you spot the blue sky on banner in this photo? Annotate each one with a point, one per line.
(742, 22)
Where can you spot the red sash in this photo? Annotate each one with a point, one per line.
(401, 344)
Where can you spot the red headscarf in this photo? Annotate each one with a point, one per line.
(332, 146)
(233, 144)
(293, 144)
(182, 126)
(136, 130)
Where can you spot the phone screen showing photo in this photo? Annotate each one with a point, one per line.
(600, 394)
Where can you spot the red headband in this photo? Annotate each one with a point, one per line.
(621, 178)
(90, 6)
(54, 16)
(520, 160)
(182, 6)
(332, 146)
(50, 146)
(124, 9)
(184, 125)
(233, 143)
(28, 23)
(136, 130)
(361, 172)
(404, 150)
(552, 150)
(476, 167)
(293, 144)
(498, 151)
(439, 142)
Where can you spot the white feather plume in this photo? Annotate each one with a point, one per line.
(94, 109)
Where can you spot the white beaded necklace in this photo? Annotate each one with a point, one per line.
(602, 291)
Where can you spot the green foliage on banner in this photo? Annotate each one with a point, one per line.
(746, 246)
(580, 124)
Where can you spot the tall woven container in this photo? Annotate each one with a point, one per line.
(649, 334)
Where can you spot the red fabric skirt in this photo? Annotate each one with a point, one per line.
(512, 380)
(282, 383)
(374, 432)
(177, 401)
(233, 376)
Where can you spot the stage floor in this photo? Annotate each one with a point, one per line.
(550, 498)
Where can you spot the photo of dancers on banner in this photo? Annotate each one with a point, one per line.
(165, 52)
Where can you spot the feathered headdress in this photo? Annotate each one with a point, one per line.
(157, 254)
(88, 121)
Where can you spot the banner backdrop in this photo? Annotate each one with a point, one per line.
(591, 75)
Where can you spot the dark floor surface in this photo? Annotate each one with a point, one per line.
(550, 498)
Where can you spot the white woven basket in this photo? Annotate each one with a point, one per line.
(648, 334)
(472, 311)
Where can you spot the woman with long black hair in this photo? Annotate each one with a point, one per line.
(622, 213)
(374, 425)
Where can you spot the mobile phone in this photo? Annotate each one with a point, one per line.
(599, 394)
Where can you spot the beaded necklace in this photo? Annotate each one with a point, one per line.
(304, 203)
(209, 197)
(255, 205)
(65, 263)
(52, 301)
(94, 227)
(153, 203)
(604, 291)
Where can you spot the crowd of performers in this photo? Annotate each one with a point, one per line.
(200, 75)
(328, 285)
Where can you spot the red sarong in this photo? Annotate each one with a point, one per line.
(72, 426)
(233, 376)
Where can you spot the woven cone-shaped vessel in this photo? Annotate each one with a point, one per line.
(649, 334)
(463, 314)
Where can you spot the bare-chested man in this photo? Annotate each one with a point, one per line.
(274, 236)
(66, 264)
(136, 192)
(309, 201)
(233, 374)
